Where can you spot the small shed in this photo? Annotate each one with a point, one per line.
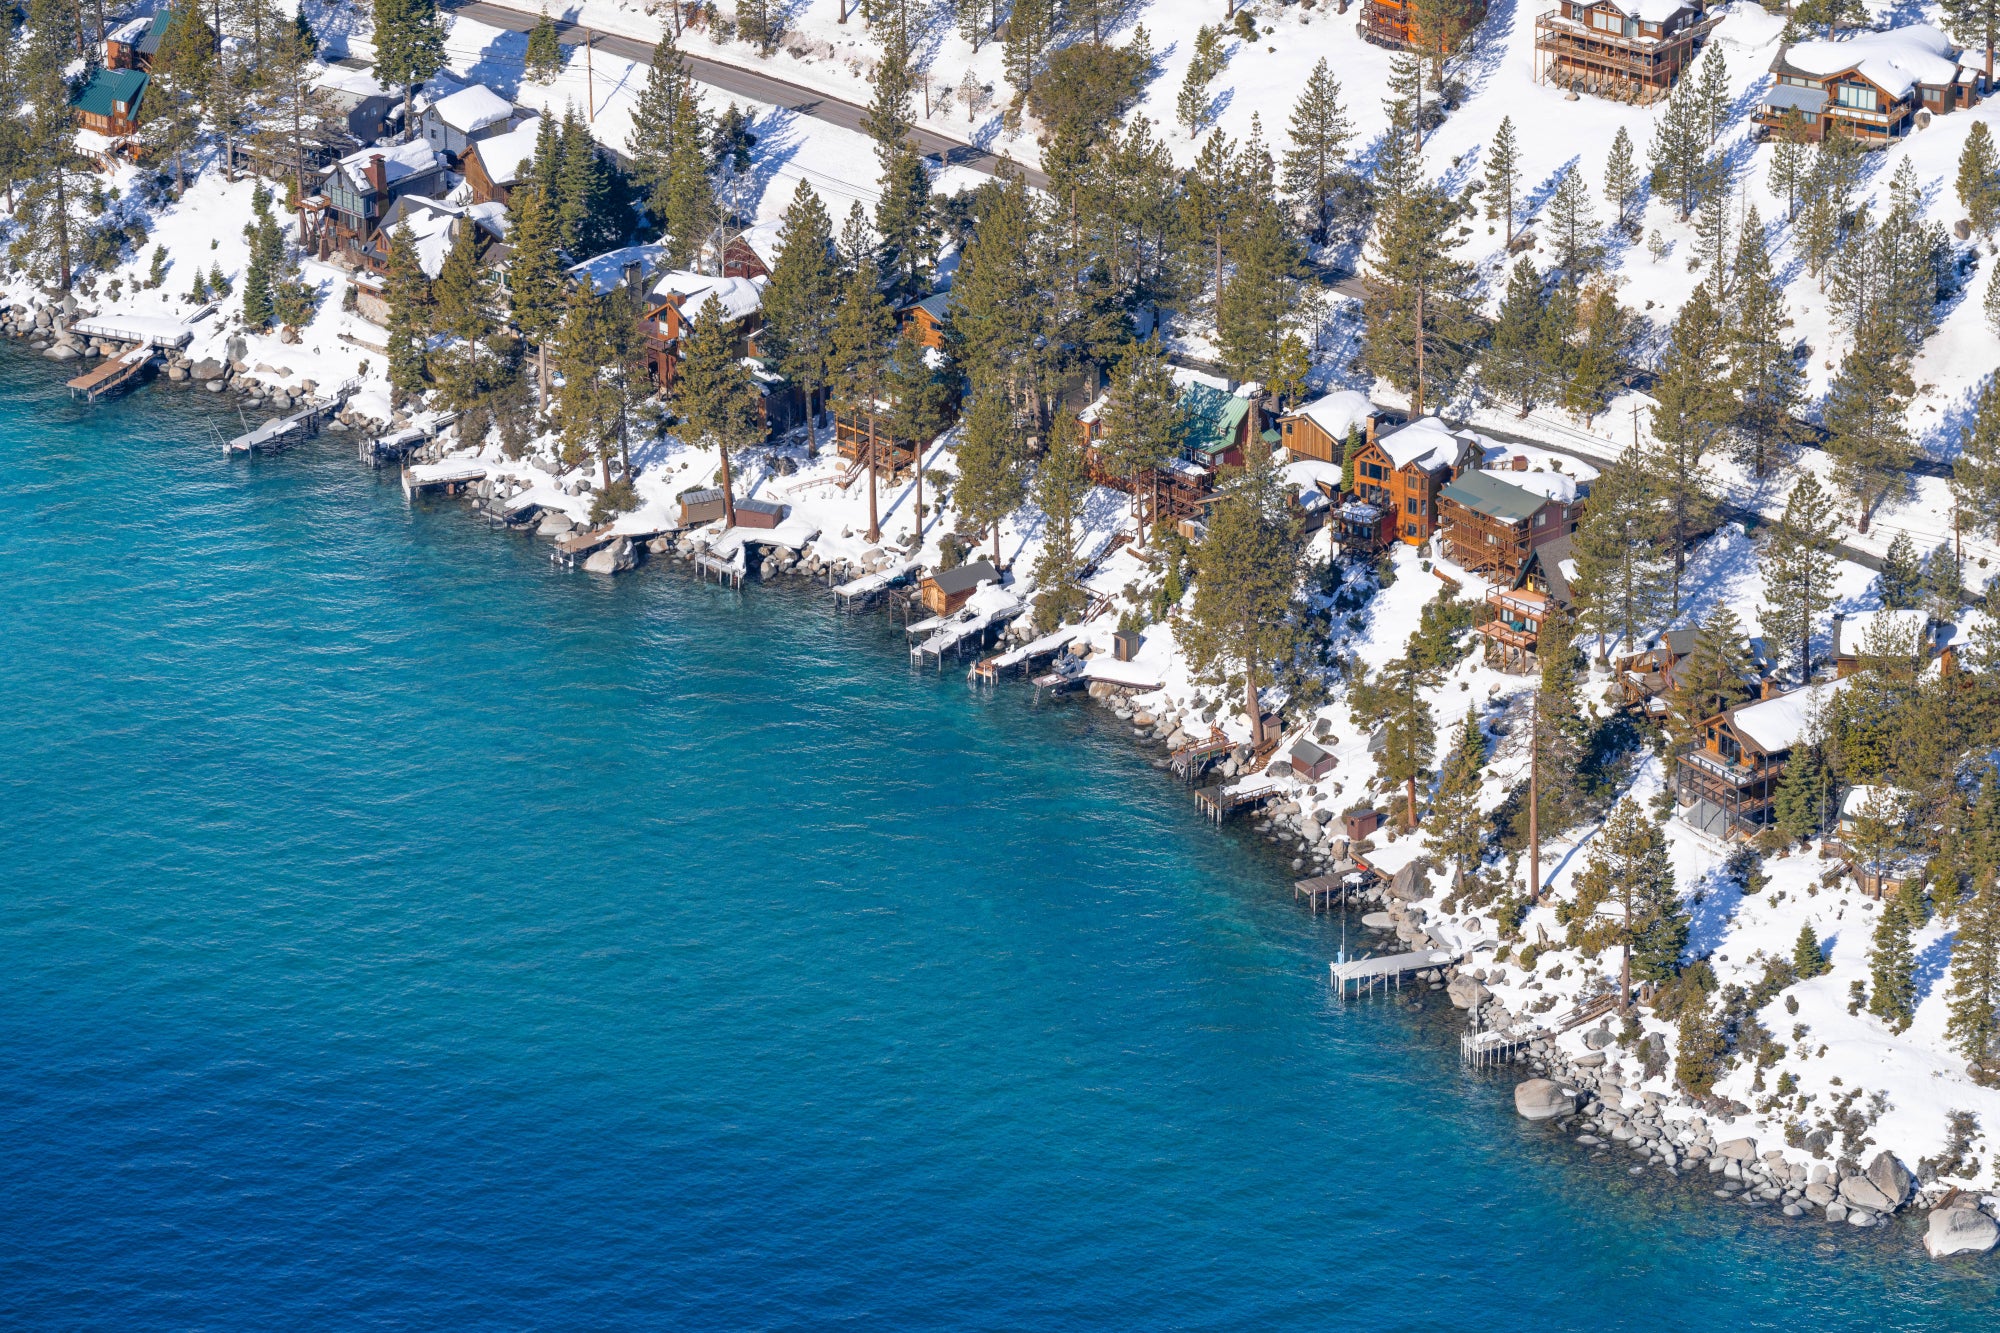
(948, 590)
(759, 514)
(1125, 644)
(1310, 762)
(1361, 821)
(699, 507)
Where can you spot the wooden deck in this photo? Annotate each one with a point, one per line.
(115, 373)
(1218, 802)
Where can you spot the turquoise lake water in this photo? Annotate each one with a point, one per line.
(402, 933)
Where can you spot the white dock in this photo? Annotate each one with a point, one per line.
(280, 431)
(1366, 973)
(859, 590)
(421, 477)
(953, 634)
(156, 331)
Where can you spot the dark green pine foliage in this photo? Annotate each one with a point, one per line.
(1682, 170)
(1701, 1049)
(917, 398)
(1805, 791)
(1503, 177)
(1419, 323)
(688, 213)
(1141, 420)
(1408, 733)
(990, 478)
(1562, 731)
(1808, 961)
(1315, 167)
(1900, 582)
(1975, 473)
(655, 116)
(1892, 967)
(1350, 450)
(543, 60)
(862, 333)
(1250, 319)
(409, 46)
(408, 294)
(535, 278)
(715, 395)
(1061, 483)
(1764, 375)
(588, 212)
(1457, 830)
(905, 220)
(1973, 1013)
(801, 298)
(1572, 229)
(1799, 571)
(1511, 368)
(996, 306)
(1864, 417)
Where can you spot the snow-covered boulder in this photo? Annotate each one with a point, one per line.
(1960, 1230)
(1739, 1150)
(615, 558)
(1542, 1099)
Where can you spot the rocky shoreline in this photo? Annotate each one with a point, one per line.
(1586, 1094)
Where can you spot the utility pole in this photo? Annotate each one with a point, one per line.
(1535, 799)
(589, 79)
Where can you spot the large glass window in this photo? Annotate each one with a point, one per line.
(1857, 95)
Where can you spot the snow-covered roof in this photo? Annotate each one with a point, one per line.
(129, 32)
(1857, 800)
(1427, 442)
(1893, 61)
(398, 161)
(1851, 634)
(1780, 723)
(740, 297)
(432, 229)
(505, 156)
(763, 241)
(1339, 412)
(1311, 475)
(1554, 485)
(607, 270)
(1649, 11)
(359, 83)
(472, 108)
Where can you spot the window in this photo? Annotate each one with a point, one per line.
(1411, 505)
(1605, 21)
(1858, 95)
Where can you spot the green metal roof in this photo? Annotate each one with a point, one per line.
(1484, 493)
(1211, 418)
(107, 88)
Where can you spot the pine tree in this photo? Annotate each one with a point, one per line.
(1574, 232)
(1561, 734)
(1250, 317)
(1865, 405)
(1511, 368)
(1621, 577)
(1315, 165)
(535, 276)
(1975, 473)
(409, 47)
(1900, 582)
(1458, 832)
(1944, 585)
(801, 298)
(688, 212)
(990, 479)
(1629, 872)
(656, 114)
(1990, 304)
(408, 294)
(1763, 375)
(1979, 179)
(595, 352)
(463, 308)
(1243, 626)
(1061, 482)
(1419, 322)
(1976, 24)
(1807, 959)
(587, 211)
(891, 115)
(1621, 177)
(1503, 177)
(714, 393)
(258, 309)
(1031, 30)
(1700, 1048)
(863, 329)
(1711, 93)
(916, 395)
(1191, 109)
(1973, 1021)
(1790, 159)
(1716, 675)
(1892, 967)
(178, 88)
(1799, 808)
(996, 303)
(543, 60)
(1141, 422)
(1799, 572)
(904, 220)
(1408, 733)
(1679, 151)
(1602, 352)
(1350, 450)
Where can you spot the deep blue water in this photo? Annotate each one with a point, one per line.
(399, 932)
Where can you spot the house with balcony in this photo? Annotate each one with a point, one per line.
(1401, 472)
(1399, 24)
(1215, 426)
(1630, 50)
(1874, 85)
(1725, 785)
(1512, 617)
(1492, 525)
(359, 191)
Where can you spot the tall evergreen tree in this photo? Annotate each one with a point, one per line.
(1892, 967)
(1716, 675)
(1808, 961)
(801, 298)
(904, 219)
(1864, 410)
(1457, 834)
(891, 115)
(1560, 733)
(1799, 808)
(1621, 178)
(1511, 368)
(916, 396)
(408, 294)
(1799, 572)
(1503, 177)
(1207, 61)
(1061, 482)
(1973, 1016)
(464, 309)
(409, 47)
(1621, 577)
(862, 332)
(536, 277)
(1978, 181)
(1975, 473)
(1141, 422)
(1976, 24)
(1031, 30)
(178, 88)
(1250, 317)
(997, 308)
(715, 395)
(1900, 581)
(543, 59)
(1764, 376)
(655, 116)
(1573, 231)
(1243, 626)
(991, 483)
(1711, 93)
(1408, 733)
(1631, 873)
(1417, 308)
(594, 353)
(1315, 165)
(587, 210)
(1682, 171)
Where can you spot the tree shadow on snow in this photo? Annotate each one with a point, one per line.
(500, 63)
(1931, 964)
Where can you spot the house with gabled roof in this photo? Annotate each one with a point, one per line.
(360, 189)
(110, 102)
(1873, 85)
(1319, 429)
(1491, 525)
(1726, 784)
(496, 164)
(1630, 50)
(1401, 472)
(454, 122)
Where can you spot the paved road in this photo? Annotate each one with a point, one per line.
(750, 83)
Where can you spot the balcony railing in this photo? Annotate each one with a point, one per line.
(1736, 775)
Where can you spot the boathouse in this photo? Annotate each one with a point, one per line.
(701, 506)
(759, 514)
(947, 590)
(1309, 761)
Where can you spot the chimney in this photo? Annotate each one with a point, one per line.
(1371, 429)
(635, 281)
(378, 178)
(1839, 619)
(1769, 688)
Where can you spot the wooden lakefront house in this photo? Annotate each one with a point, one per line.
(1215, 428)
(947, 590)
(109, 103)
(1396, 23)
(495, 165)
(1725, 786)
(1512, 618)
(1631, 50)
(1402, 472)
(1492, 526)
(926, 320)
(1875, 85)
(358, 193)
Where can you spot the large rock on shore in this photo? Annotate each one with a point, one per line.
(1860, 1192)
(1960, 1231)
(1543, 1099)
(208, 368)
(1739, 1150)
(615, 558)
(1888, 1175)
(1466, 993)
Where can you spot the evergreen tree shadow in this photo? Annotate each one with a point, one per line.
(501, 63)
(1945, 439)
(1486, 48)
(778, 142)
(1931, 964)
(1711, 905)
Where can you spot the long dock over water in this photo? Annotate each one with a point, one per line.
(111, 375)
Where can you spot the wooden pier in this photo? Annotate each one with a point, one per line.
(451, 478)
(578, 547)
(399, 446)
(114, 373)
(1367, 974)
(1065, 675)
(1495, 1045)
(855, 594)
(1218, 803)
(281, 432)
(1339, 887)
(724, 571)
(1191, 759)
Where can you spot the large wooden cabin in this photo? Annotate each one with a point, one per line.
(1631, 50)
(1874, 85)
(1492, 526)
(1726, 784)
(1402, 472)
